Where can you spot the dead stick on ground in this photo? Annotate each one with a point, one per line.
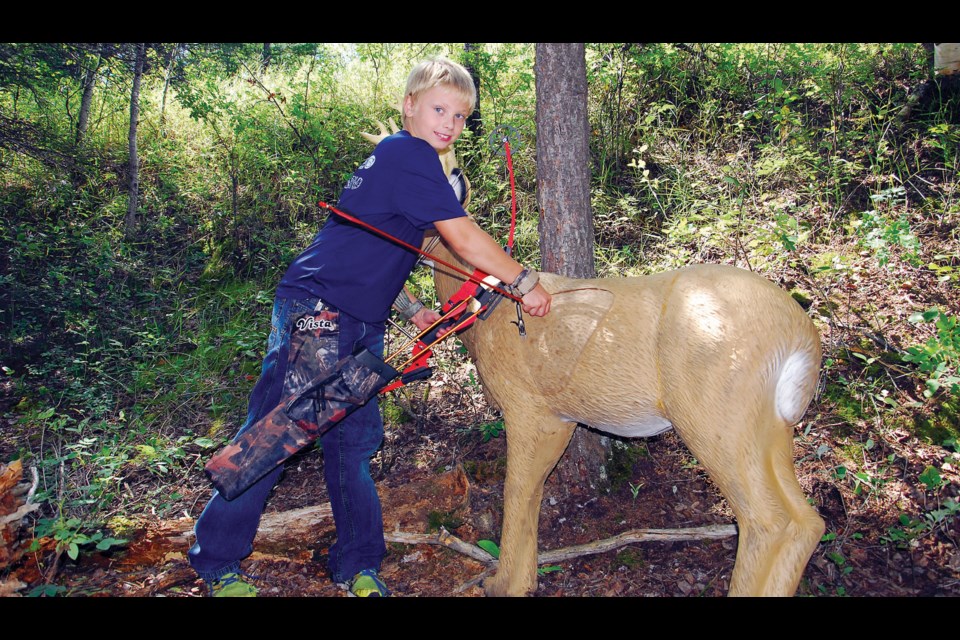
(444, 538)
(447, 539)
(713, 532)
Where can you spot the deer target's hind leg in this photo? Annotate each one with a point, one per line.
(535, 441)
(752, 463)
(775, 566)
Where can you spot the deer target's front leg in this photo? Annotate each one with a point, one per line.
(535, 441)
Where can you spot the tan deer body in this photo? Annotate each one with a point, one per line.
(720, 354)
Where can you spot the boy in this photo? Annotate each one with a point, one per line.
(344, 284)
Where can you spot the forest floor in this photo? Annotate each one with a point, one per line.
(431, 472)
(887, 534)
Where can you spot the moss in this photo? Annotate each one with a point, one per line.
(852, 451)
(623, 459)
(845, 406)
(828, 261)
(393, 413)
(486, 470)
(630, 558)
(124, 525)
(449, 520)
(939, 426)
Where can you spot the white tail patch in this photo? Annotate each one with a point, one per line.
(793, 387)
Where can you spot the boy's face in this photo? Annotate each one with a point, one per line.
(437, 116)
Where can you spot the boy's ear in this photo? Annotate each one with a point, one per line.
(408, 105)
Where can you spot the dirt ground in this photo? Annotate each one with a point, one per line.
(443, 460)
(432, 472)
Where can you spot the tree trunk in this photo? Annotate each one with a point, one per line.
(946, 58)
(131, 222)
(566, 220)
(166, 86)
(77, 176)
(942, 82)
(265, 56)
(89, 82)
(563, 152)
(474, 121)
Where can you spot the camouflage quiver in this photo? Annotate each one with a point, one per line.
(303, 416)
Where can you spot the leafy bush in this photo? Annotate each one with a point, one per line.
(939, 357)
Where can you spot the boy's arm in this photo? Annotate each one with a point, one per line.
(474, 245)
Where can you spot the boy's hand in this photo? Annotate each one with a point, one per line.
(424, 318)
(537, 302)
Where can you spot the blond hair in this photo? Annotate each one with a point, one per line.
(436, 72)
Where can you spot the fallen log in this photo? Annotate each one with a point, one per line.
(15, 504)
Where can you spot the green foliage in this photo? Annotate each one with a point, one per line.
(931, 478)
(879, 233)
(71, 534)
(833, 551)
(493, 549)
(46, 591)
(909, 529)
(939, 357)
(864, 482)
(490, 547)
(942, 424)
(489, 430)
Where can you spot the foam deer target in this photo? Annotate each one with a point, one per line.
(718, 353)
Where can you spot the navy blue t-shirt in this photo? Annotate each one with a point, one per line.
(400, 189)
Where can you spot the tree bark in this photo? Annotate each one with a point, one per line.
(265, 57)
(167, 75)
(563, 152)
(89, 82)
(566, 219)
(474, 121)
(941, 83)
(131, 222)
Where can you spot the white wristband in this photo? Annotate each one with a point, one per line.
(526, 282)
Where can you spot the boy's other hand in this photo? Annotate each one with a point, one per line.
(424, 318)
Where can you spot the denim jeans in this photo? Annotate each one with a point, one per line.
(226, 528)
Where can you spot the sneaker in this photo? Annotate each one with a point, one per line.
(367, 584)
(232, 585)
